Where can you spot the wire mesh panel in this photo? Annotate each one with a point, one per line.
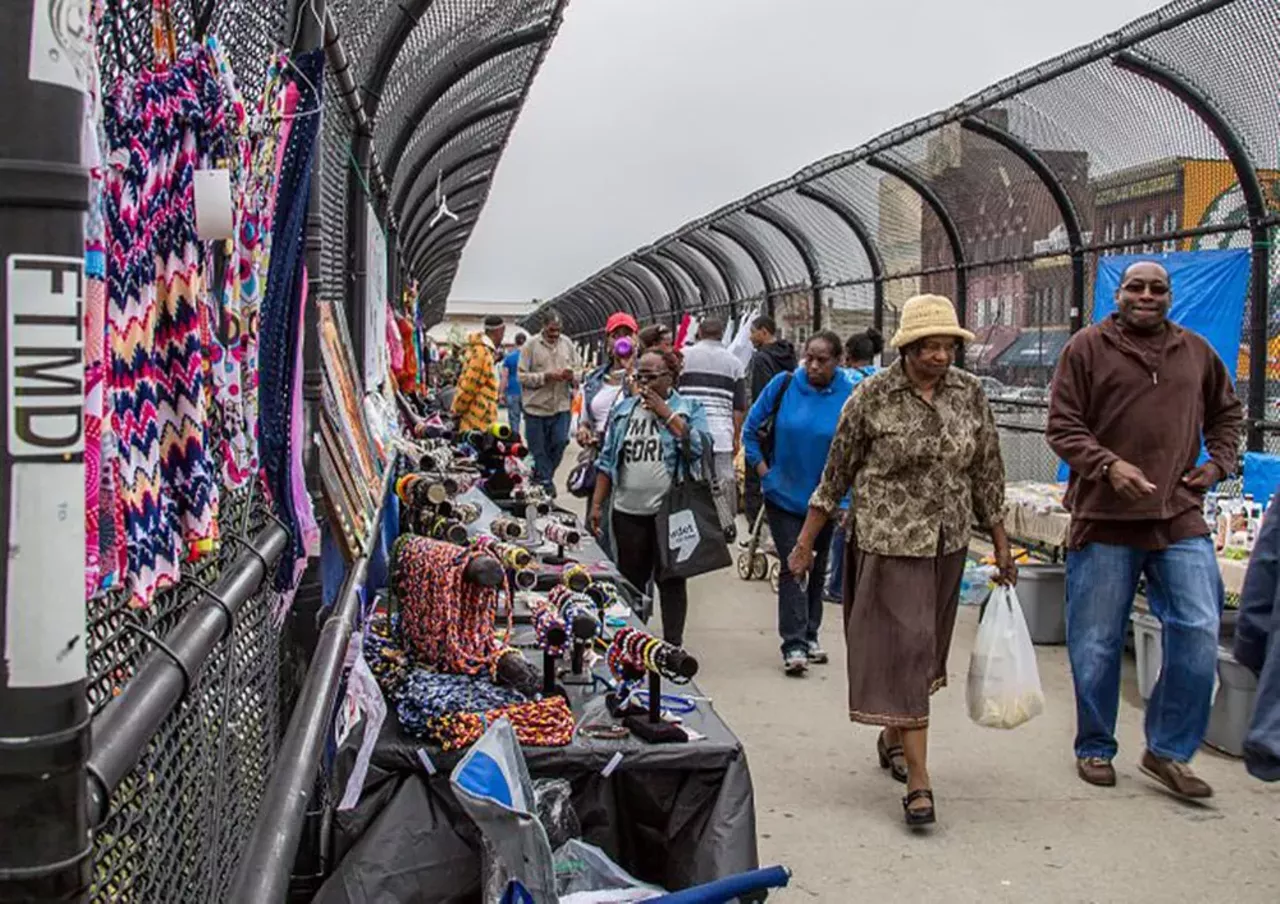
(1132, 144)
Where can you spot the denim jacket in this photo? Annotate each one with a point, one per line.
(607, 462)
(1257, 646)
(590, 387)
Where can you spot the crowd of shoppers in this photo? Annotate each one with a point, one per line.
(873, 478)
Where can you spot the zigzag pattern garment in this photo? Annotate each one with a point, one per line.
(160, 127)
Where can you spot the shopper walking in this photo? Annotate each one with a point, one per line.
(860, 353)
(642, 447)
(548, 371)
(609, 382)
(716, 378)
(475, 403)
(1131, 399)
(511, 384)
(772, 356)
(917, 444)
(807, 405)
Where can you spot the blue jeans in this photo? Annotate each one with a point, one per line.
(799, 608)
(835, 570)
(513, 413)
(548, 437)
(1184, 590)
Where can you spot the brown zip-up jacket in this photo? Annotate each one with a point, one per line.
(1112, 399)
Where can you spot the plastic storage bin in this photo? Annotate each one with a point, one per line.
(1148, 650)
(1232, 707)
(1042, 590)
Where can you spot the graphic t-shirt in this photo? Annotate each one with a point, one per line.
(642, 474)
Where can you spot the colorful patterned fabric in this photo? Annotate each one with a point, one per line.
(95, 327)
(477, 400)
(233, 350)
(160, 127)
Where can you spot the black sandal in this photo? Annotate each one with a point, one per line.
(888, 755)
(919, 816)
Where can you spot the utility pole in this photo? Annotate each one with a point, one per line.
(45, 848)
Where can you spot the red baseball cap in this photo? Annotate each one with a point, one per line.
(618, 320)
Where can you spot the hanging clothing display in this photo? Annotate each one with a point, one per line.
(160, 125)
(282, 302)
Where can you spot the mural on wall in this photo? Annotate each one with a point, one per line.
(1213, 198)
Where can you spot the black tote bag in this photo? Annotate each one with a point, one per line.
(690, 539)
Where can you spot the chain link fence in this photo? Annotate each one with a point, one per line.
(435, 87)
(1007, 201)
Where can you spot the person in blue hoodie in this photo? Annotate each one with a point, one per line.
(860, 352)
(808, 403)
(1257, 647)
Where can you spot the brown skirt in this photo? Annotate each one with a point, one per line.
(899, 615)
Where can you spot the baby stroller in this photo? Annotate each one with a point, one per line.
(758, 560)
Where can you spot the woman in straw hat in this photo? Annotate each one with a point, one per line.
(917, 444)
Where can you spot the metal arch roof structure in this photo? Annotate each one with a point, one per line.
(911, 206)
(433, 89)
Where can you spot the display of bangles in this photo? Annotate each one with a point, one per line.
(576, 577)
(561, 534)
(633, 653)
(505, 527)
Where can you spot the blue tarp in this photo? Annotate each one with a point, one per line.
(1209, 291)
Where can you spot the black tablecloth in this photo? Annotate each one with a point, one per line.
(672, 814)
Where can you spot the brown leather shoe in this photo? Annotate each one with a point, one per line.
(1175, 776)
(1097, 770)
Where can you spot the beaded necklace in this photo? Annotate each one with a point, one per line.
(447, 620)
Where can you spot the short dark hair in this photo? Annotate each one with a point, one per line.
(652, 335)
(669, 358)
(492, 322)
(520, 337)
(864, 346)
(1124, 274)
(766, 323)
(832, 340)
(712, 328)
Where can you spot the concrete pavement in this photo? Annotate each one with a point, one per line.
(1015, 823)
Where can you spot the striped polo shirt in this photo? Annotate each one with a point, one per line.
(717, 379)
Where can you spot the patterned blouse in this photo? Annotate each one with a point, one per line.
(920, 470)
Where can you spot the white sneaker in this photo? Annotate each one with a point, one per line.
(796, 663)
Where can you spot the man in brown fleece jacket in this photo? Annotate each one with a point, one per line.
(1131, 399)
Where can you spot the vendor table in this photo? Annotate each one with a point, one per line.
(672, 814)
(1035, 515)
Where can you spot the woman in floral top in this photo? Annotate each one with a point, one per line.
(917, 444)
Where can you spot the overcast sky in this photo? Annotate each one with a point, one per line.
(650, 113)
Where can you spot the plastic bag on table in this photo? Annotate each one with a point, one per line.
(586, 875)
(553, 799)
(1003, 690)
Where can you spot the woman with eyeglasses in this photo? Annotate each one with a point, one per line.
(807, 405)
(917, 444)
(642, 445)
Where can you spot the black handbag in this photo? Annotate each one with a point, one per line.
(765, 432)
(581, 481)
(690, 538)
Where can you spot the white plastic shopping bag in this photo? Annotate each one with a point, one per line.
(1004, 684)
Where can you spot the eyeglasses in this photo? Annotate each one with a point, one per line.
(1155, 286)
(649, 376)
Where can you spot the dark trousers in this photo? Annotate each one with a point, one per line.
(548, 437)
(636, 539)
(799, 608)
(753, 497)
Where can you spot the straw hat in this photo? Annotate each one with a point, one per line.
(928, 315)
